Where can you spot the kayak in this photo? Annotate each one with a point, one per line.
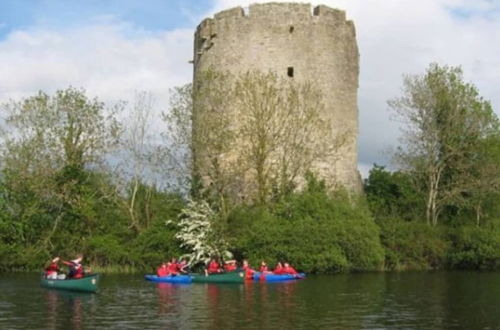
(237, 276)
(277, 278)
(169, 278)
(85, 284)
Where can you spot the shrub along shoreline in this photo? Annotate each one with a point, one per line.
(316, 230)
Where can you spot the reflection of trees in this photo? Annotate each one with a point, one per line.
(65, 309)
(51, 309)
(166, 298)
(76, 315)
(471, 300)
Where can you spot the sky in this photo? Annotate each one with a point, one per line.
(114, 48)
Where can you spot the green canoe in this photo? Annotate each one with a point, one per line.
(86, 284)
(237, 276)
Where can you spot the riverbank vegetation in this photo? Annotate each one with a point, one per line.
(81, 176)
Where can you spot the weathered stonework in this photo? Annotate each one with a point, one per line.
(319, 44)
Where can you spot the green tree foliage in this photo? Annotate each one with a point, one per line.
(57, 198)
(393, 194)
(412, 245)
(474, 247)
(315, 230)
(446, 122)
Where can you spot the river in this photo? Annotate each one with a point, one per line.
(415, 300)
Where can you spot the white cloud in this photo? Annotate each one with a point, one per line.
(113, 59)
(109, 60)
(397, 37)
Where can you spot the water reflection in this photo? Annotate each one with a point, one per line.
(466, 300)
(166, 298)
(65, 307)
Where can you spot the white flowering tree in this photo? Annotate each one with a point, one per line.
(197, 232)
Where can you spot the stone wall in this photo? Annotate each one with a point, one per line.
(317, 44)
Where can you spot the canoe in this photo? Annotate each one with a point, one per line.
(237, 276)
(277, 278)
(169, 278)
(86, 284)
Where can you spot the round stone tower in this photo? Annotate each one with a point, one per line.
(316, 45)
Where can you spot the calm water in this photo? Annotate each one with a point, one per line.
(437, 300)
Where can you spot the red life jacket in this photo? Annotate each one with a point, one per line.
(289, 270)
(162, 271)
(263, 269)
(278, 270)
(173, 269)
(249, 273)
(78, 272)
(52, 268)
(213, 267)
(229, 267)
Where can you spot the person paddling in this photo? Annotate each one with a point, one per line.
(248, 270)
(52, 269)
(278, 270)
(75, 267)
(183, 267)
(263, 268)
(230, 265)
(289, 270)
(162, 270)
(173, 267)
(213, 267)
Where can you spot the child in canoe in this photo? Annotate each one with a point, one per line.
(75, 267)
(183, 266)
(248, 270)
(278, 270)
(289, 270)
(162, 270)
(230, 265)
(263, 268)
(51, 271)
(213, 267)
(173, 267)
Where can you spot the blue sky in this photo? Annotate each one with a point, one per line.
(113, 48)
(151, 15)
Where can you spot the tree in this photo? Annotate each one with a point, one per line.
(199, 232)
(392, 194)
(140, 159)
(50, 145)
(484, 176)
(445, 121)
(281, 131)
(177, 151)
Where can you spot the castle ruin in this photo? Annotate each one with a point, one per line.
(299, 42)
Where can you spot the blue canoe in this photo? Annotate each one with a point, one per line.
(277, 278)
(169, 278)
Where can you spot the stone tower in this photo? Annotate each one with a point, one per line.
(298, 42)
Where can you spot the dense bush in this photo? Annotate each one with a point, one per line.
(474, 247)
(412, 245)
(393, 194)
(314, 230)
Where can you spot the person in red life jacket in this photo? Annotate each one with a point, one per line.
(248, 270)
(263, 268)
(52, 269)
(173, 268)
(230, 265)
(213, 267)
(183, 267)
(287, 269)
(278, 270)
(162, 270)
(75, 267)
